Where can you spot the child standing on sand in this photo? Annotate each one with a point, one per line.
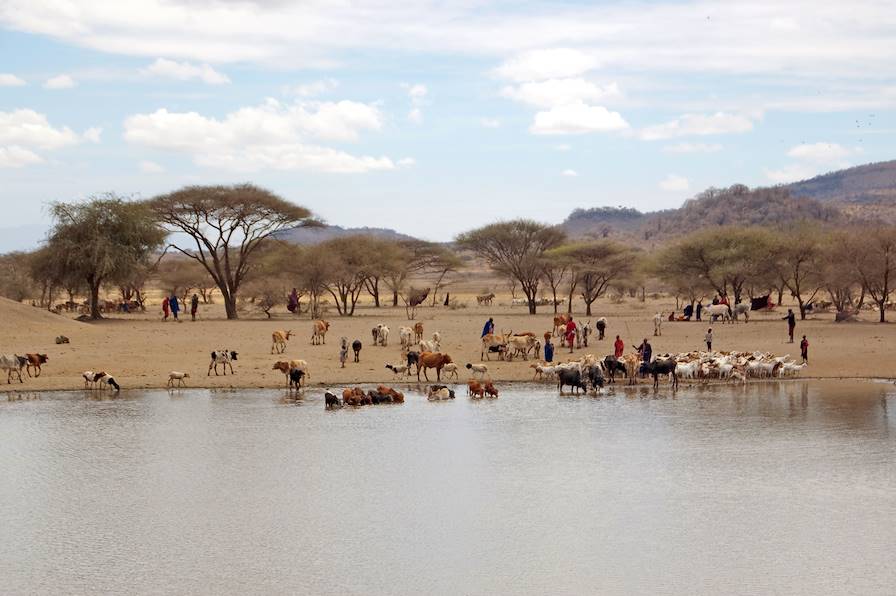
(708, 340)
(166, 308)
(343, 351)
(804, 350)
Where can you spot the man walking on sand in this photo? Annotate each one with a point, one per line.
(194, 306)
(791, 323)
(175, 306)
(804, 350)
(708, 340)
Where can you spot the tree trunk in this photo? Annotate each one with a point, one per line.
(94, 300)
(554, 294)
(230, 305)
(394, 297)
(799, 301)
(588, 308)
(883, 309)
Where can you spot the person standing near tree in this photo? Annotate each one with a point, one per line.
(791, 323)
(618, 348)
(166, 308)
(699, 309)
(175, 306)
(571, 333)
(194, 306)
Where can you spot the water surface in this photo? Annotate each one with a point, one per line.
(766, 489)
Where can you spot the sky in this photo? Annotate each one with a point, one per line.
(434, 117)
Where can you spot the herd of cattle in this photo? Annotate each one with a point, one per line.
(588, 373)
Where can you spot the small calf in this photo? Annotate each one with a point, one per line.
(331, 400)
(490, 389)
(356, 348)
(179, 377)
(450, 370)
(398, 369)
(34, 361)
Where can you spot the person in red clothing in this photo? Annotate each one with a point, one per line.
(166, 308)
(804, 350)
(618, 348)
(571, 334)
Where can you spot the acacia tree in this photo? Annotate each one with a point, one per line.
(103, 240)
(596, 265)
(351, 260)
(723, 258)
(873, 257)
(414, 257)
(798, 264)
(227, 224)
(516, 249)
(555, 271)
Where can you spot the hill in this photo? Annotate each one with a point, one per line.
(25, 323)
(303, 235)
(863, 193)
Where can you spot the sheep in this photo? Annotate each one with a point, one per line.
(278, 341)
(450, 370)
(478, 369)
(404, 335)
(398, 369)
(179, 377)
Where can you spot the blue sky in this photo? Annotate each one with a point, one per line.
(434, 117)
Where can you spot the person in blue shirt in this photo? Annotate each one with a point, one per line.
(175, 306)
(489, 327)
(548, 351)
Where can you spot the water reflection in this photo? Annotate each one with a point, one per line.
(765, 488)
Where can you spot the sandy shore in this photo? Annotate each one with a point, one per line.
(140, 350)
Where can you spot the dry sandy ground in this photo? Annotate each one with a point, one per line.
(140, 350)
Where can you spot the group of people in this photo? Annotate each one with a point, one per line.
(171, 307)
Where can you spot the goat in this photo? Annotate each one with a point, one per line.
(223, 357)
(478, 369)
(319, 332)
(278, 341)
(450, 370)
(399, 369)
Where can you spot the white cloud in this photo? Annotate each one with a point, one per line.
(62, 81)
(28, 128)
(269, 136)
(11, 80)
(417, 94)
(17, 157)
(489, 123)
(674, 183)
(570, 173)
(693, 148)
(577, 118)
(538, 65)
(698, 125)
(406, 162)
(823, 153)
(314, 88)
(185, 71)
(790, 173)
(23, 131)
(151, 167)
(93, 134)
(546, 94)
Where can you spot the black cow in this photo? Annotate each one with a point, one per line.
(356, 348)
(662, 367)
(573, 378)
(413, 358)
(595, 377)
(332, 401)
(295, 377)
(613, 365)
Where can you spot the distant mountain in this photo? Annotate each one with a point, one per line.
(302, 235)
(863, 193)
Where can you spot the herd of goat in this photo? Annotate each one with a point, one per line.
(588, 373)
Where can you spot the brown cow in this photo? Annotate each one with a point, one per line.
(474, 388)
(34, 361)
(418, 332)
(490, 389)
(354, 397)
(319, 332)
(560, 322)
(434, 360)
(397, 396)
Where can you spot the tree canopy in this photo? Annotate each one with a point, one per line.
(225, 226)
(515, 248)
